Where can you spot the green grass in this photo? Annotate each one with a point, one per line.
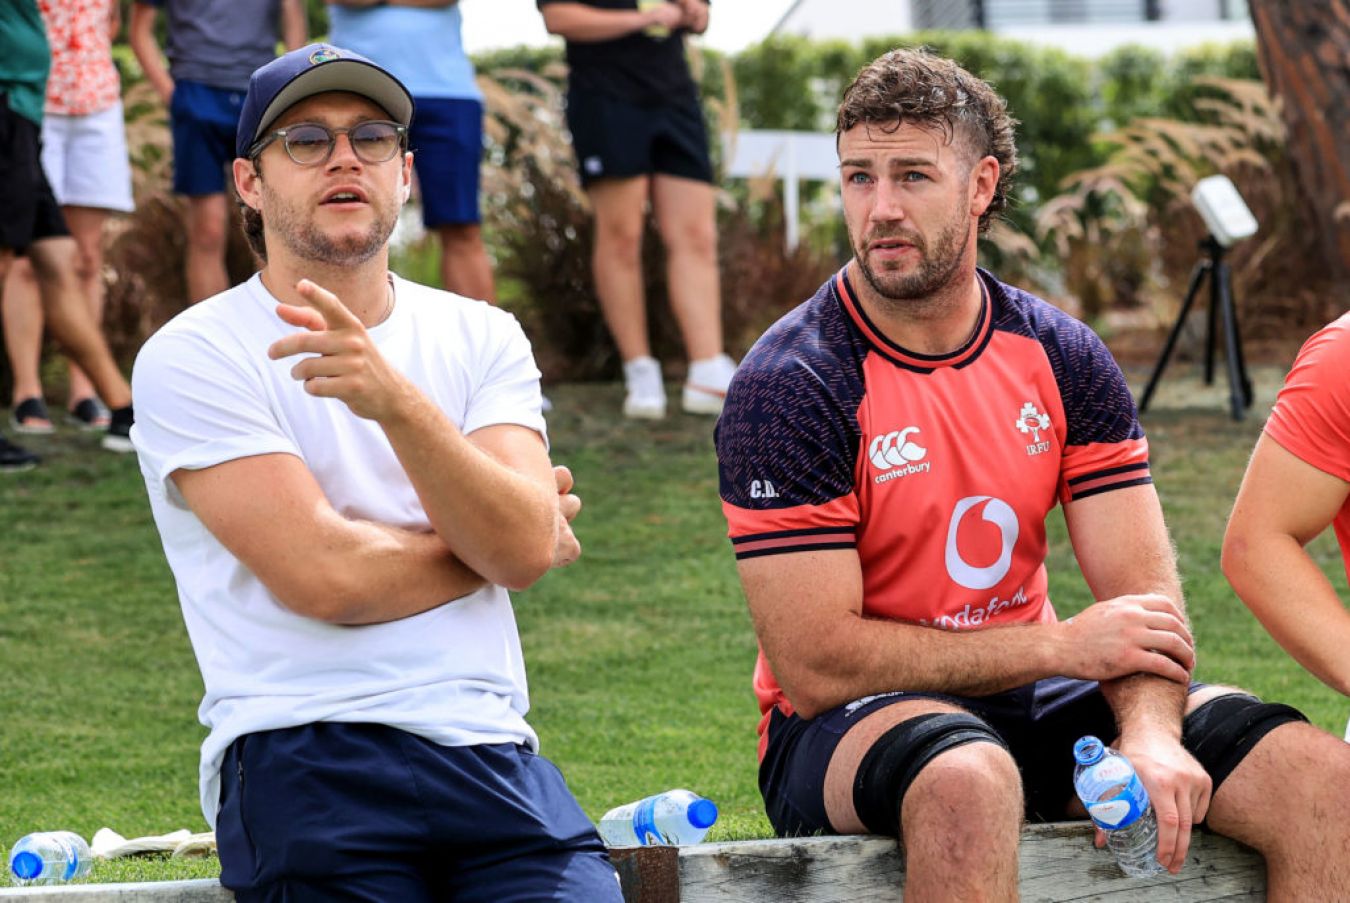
(639, 655)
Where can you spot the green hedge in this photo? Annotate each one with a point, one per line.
(1061, 100)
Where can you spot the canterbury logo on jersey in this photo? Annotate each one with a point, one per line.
(896, 455)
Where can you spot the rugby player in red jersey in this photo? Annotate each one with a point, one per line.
(889, 452)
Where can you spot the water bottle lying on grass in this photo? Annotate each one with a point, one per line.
(674, 817)
(49, 857)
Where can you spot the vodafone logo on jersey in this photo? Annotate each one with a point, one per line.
(1000, 514)
(896, 455)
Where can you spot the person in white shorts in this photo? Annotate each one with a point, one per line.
(84, 154)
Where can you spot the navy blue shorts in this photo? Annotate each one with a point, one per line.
(1039, 722)
(204, 120)
(446, 139)
(368, 812)
(615, 138)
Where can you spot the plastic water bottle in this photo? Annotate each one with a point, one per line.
(673, 817)
(49, 857)
(1118, 803)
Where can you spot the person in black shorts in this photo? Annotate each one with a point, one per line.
(889, 453)
(638, 131)
(31, 225)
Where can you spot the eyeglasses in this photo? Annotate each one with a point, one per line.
(311, 144)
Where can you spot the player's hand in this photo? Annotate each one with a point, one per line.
(695, 15)
(1128, 635)
(663, 17)
(348, 367)
(567, 547)
(1178, 787)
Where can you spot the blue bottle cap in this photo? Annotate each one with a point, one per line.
(26, 865)
(702, 813)
(1088, 750)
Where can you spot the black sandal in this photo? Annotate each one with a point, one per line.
(28, 411)
(88, 415)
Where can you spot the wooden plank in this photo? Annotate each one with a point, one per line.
(648, 874)
(1058, 863)
(203, 890)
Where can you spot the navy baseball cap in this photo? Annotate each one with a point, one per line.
(315, 69)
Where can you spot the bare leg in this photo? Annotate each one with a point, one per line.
(465, 268)
(86, 227)
(960, 821)
(206, 223)
(617, 261)
(54, 262)
(686, 217)
(22, 309)
(1288, 799)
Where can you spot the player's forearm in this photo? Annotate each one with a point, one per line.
(358, 572)
(584, 24)
(1275, 577)
(1147, 703)
(500, 523)
(847, 662)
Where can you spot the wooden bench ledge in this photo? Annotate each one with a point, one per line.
(1058, 863)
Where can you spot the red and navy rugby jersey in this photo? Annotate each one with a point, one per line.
(939, 470)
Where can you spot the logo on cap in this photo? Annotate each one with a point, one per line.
(323, 55)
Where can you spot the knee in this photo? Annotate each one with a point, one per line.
(88, 266)
(461, 239)
(619, 240)
(970, 785)
(696, 239)
(946, 766)
(206, 232)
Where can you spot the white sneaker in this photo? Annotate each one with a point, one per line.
(646, 398)
(706, 387)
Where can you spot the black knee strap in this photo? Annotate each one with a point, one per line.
(1221, 732)
(890, 766)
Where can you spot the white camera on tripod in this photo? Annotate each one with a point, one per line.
(1223, 210)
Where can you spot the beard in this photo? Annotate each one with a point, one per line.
(303, 238)
(936, 269)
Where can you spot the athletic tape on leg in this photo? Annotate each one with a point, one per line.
(890, 766)
(1221, 732)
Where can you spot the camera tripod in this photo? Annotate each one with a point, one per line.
(1220, 304)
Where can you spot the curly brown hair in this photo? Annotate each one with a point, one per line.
(921, 88)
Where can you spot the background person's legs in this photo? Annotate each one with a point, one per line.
(447, 136)
(686, 217)
(465, 268)
(13, 457)
(86, 227)
(22, 316)
(620, 213)
(207, 221)
(68, 319)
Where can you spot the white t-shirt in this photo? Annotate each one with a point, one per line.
(206, 393)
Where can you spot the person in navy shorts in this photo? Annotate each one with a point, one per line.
(213, 47)
(420, 43)
(365, 686)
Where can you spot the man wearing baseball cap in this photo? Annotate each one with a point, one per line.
(348, 471)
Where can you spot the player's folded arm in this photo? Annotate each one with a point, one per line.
(271, 514)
